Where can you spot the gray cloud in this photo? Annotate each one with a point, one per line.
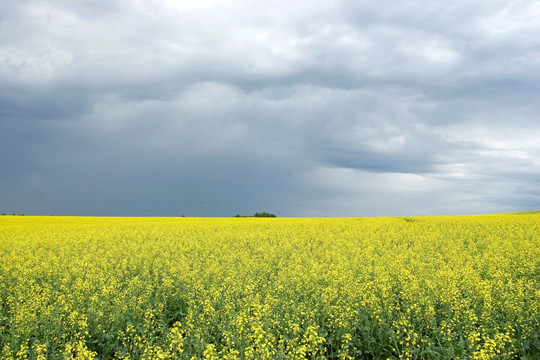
(216, 108)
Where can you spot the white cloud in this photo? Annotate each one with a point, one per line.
(515, 16)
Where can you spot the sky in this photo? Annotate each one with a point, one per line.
(298, 108)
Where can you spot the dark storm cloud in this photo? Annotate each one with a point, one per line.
(303, 109)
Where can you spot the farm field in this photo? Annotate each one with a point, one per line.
(464, 287)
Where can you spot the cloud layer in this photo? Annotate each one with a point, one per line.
(335, 108)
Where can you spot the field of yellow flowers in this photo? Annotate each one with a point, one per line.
(246, 288)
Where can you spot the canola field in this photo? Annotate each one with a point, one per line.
(246, 288)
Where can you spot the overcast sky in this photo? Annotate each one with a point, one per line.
(300, 108)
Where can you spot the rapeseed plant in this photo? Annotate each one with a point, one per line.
(243, 288)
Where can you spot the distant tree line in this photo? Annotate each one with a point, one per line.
(261, 214)
(264, 214)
